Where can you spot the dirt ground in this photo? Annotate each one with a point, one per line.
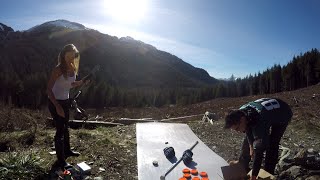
(111, 151)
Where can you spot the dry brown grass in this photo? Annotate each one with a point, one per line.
(114, 149)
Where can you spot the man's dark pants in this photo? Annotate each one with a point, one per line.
(272, 151)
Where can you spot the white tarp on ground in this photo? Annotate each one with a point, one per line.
(151, 139)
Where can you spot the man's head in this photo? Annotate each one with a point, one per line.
(236, 120)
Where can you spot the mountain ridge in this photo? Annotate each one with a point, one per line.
(130, 50)
(56, 25)
(131, 70)
(4, 31)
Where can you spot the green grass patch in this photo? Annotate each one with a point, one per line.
(84, 134)
(105, 140)
(22, 165)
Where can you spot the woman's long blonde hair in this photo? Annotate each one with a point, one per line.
(62, 62)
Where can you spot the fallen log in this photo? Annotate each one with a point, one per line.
(179, 118)
(103, 123)
(128, 121)
(75, 122)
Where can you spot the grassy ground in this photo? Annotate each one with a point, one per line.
(113, 149)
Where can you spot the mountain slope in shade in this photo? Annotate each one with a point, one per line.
(4, 31)
(5, 28)
(125, 62)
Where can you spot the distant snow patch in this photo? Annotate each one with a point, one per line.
(67, 24)
(59, 23)
(1, 27)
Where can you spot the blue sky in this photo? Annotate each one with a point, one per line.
(224, 37)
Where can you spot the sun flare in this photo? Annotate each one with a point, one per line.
(128, 11)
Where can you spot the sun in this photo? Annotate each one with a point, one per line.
(128, 11)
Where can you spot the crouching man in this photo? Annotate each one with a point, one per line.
(264, 121)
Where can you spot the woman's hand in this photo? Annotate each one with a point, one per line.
(251, 151)
(85, 82)
(79, 83)
(60, 111)
(253, 178)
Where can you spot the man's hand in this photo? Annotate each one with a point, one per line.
(233, 162)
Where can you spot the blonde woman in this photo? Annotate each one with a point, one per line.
(63, 78)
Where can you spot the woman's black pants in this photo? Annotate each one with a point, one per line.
(61, 138)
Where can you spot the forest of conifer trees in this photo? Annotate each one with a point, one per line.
(26, 89)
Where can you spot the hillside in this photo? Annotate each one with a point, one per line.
(132, 73)
(114, 149)
(124, 62)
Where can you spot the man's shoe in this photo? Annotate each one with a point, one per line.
(71, 153)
